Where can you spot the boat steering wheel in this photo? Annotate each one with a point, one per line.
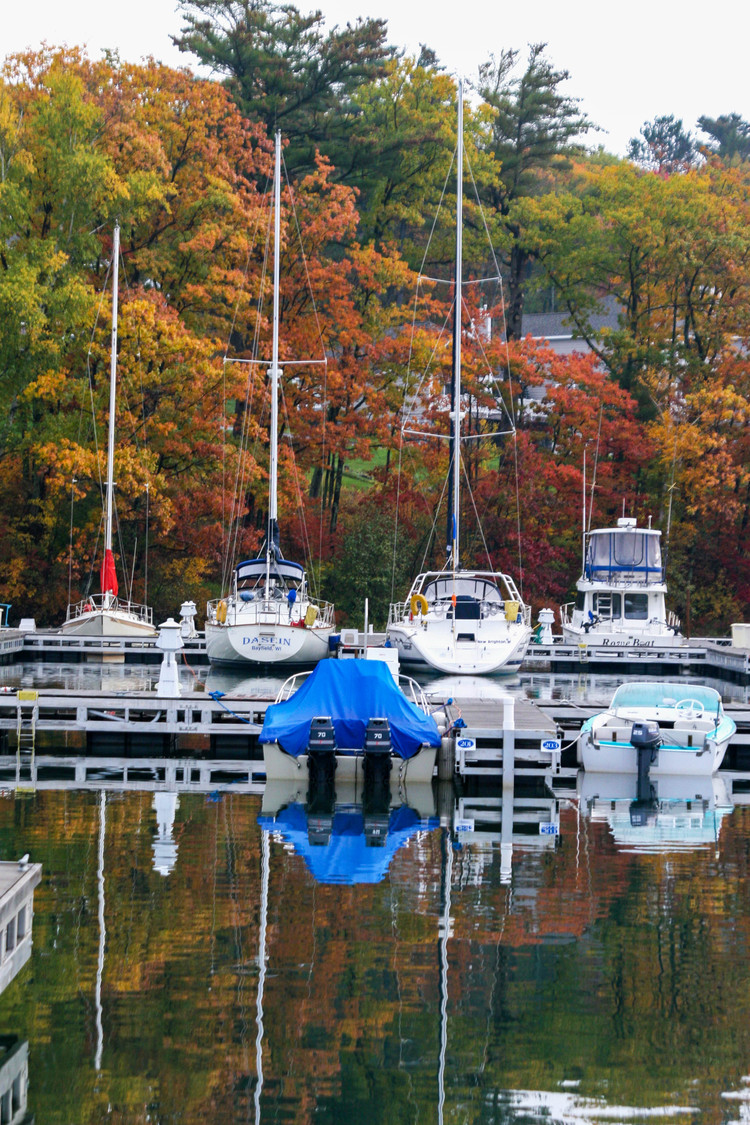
(689, 708)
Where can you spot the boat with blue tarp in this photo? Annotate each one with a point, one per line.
(346, 714)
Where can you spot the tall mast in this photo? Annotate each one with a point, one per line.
(455, 442)
(112, 390)
(273, 531)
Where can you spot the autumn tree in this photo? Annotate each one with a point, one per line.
(664, 146)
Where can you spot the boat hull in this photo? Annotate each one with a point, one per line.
(617, 638)
(621, 758)
(495, 650)
(259, 644)
(103, 623)
(281, 766)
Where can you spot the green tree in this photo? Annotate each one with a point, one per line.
(664, 146)
(729, 136)
(283, 69)
(533, 126)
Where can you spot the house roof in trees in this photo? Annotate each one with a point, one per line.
(556, 327)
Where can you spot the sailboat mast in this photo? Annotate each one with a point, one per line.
(273, 531)
(455, 469)
(112, 391)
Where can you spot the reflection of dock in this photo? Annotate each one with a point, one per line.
(14, 1080)
(122, 774)
(17, 883)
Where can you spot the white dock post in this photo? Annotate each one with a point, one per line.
(546, 618)
(170, 642)
(509, 741)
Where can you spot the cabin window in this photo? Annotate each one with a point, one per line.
(580, 600)
(636, 607)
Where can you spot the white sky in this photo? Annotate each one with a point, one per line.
(628, 62)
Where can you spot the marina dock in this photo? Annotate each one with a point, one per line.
(708, 656)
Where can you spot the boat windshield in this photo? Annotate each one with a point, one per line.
(665, 695)
(284, 575)
(480, 589)
(624, 552)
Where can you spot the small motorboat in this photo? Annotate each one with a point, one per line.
(658, 729)
(350, 716)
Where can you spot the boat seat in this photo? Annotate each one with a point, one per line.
(704, 725)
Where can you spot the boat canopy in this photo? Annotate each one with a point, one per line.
(253, 570)
(351, 692)
(616, 553)
(347, 857)
(462, 586)
(652, 695)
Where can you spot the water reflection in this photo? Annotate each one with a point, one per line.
(345, 835)
(587, 980)
(672, 813)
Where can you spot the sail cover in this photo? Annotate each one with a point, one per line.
(351, 692)
(347, 857)
(109, 574)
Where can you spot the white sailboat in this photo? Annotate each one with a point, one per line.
(105, 614)
(269, 615)
(460, 620)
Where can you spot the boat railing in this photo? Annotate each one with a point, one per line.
(270, 611)
(290, 685)
(95, 602)
(441, 610)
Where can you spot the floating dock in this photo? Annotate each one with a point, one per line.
(700, 656)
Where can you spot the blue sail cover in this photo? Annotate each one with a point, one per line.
(346, 858)
(352, 692)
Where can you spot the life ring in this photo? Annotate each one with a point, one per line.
(221, 612)
(418, 604)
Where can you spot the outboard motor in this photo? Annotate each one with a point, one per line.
(321, 749)
(645, 737)
(376, 797)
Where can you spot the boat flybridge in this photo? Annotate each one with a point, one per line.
(460, 620)
(621, 593)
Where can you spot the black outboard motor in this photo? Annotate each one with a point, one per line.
(376, 798)
(321, 749)
(645, 736)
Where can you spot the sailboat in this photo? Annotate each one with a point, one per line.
(105, 614)
(460, 620)
(270, 616)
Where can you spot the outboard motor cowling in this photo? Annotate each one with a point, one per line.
(378, 739)
(645, 737)
(321, 748)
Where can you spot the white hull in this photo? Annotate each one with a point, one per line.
(253, 643)
(623, 638)
(499, 646)
(349, 767)
(670, 761)
(108, 623)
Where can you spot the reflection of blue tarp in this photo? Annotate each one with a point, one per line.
(351, 692)
(346, 858)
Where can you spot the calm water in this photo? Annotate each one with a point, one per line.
(569, 957)
(189, 967)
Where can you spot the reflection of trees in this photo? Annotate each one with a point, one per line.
(624, 972)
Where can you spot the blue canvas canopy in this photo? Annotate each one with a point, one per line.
(347, 857)
(351, 692)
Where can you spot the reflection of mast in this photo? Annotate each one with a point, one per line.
(444, 933)
(102, 935)
(265, 868)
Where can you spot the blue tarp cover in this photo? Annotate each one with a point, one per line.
(346, 858)
(352, 692)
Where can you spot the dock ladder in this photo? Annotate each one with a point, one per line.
(27, 711)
